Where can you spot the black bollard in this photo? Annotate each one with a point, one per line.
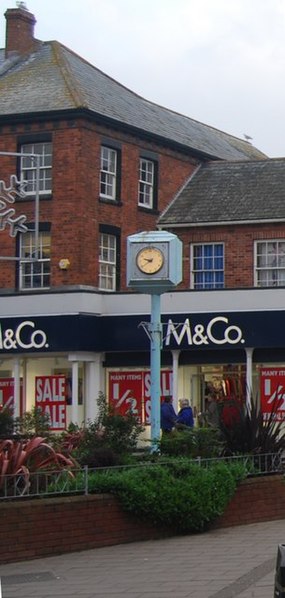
(279, 585)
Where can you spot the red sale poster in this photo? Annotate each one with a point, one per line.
(166, 390)
(51, 399)
(130, 392)
(272, 392)
(125, 392)
(7, 394)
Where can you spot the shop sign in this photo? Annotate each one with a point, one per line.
(7, 394)
(125, 392)
(24, 336)
(51, 399)
(218, 331)
(130, 392)
(272, 392)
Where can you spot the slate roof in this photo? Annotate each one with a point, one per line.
(229, 192)
(53, 78)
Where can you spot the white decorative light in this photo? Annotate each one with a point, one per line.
(7, 213)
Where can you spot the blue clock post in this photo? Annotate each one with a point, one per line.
(154, 266)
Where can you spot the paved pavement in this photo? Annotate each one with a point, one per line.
(224, 563)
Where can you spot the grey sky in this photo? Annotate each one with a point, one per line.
(221, 62)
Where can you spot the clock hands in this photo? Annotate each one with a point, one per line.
(148, 259)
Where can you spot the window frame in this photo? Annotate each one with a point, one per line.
(114, 174)
(144, 185)
(42, 261)
(213, 273)
(275, 280)
(114, 233)
(46, 167)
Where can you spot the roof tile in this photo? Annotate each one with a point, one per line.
(55, 78)
(227, 192)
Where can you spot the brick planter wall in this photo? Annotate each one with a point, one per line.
(256, 499)
(44, 527)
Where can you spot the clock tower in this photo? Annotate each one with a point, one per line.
(154, 266)
(154, 261)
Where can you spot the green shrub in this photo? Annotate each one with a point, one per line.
(195, 442)
(6, 423)
(108, 439)
(33, 422)
(179, 496)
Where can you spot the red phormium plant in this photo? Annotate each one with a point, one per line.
(71, 440)
(29, 456)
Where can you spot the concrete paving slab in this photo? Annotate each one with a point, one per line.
(236, 562)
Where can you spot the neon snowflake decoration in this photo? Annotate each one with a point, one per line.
(8, 195)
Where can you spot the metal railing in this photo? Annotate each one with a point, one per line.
(259, 464)
(64, 482)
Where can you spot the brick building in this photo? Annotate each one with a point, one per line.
(110, 164)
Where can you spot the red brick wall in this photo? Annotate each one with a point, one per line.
(20, 31)
(239, 249)
(256, 499)
(31, 529)
(75, 211)
(59, 525)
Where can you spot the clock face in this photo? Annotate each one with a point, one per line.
(150, 260)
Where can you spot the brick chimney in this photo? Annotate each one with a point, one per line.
(20, 24)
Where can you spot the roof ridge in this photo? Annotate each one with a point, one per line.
(65, 71)
(182, 187)
(252, 161)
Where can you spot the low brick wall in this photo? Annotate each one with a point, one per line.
(44, 527)
(257, 499)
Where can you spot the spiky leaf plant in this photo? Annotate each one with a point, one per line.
(249, 433)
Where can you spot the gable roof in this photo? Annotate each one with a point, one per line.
(230, 192)
(53, 78)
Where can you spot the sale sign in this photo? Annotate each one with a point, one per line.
(272, 392)
(125, 392)
(166, 389)
(7, 394)
(130, 392)
(51, 399)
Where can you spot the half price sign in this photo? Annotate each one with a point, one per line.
(272, 393)
(7, 394)
(129, 392)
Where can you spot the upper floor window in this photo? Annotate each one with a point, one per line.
(146, 183)
(270, 263)
(34, 270)
(28, 167)
(107, 262)
(207, 265)
(108, 172)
